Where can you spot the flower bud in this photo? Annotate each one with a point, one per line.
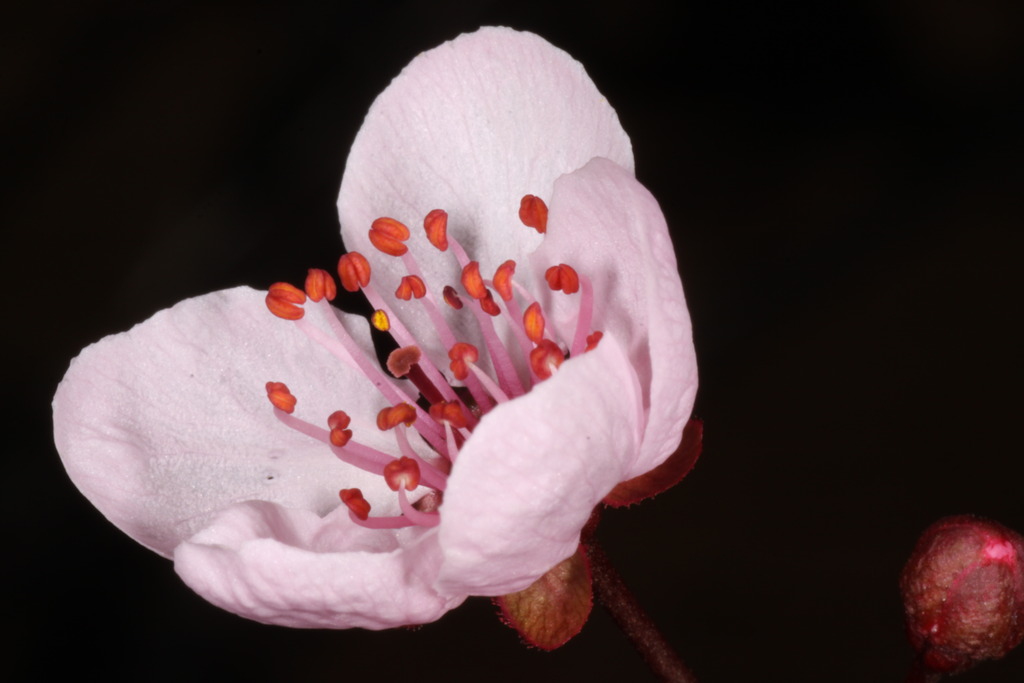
(963, 592)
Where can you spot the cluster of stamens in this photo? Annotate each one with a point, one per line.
(431, 423)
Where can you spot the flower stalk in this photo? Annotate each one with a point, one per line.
(611, 591)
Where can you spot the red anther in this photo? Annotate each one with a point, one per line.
(280, 397)
(592, 340)
(450, 412)
(403, 472)
(338, 422)
(388, 235)
(400, 361)
(436, 225)
(563, 277)
(451, 297)
(533, 212)
(533, 321)
(389, 418)
(283, 301)
(320, 284)
(503, 279)
(339, 419)
(544, 357)
(411, 286)
(354, 271)
(353, 498)
(460, 355)
(472, 282)
(489, 305)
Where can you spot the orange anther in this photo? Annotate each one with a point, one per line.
(338, 422)
(436, 225)
(472, 282)
(451, 297)
(380, 320)
(503, 279)
(281, 397)
(388, 235)
(533, 212)
(489, 305)
(592, 340)
(450, 412)
(353, 498)
(460, 355)
(533, 322)
(545, 357)
(403, 472)
(563, 277)
(400, 361)
(283, 301)
(389, 418)
(320, 284)
(411, 286)
(354, 271)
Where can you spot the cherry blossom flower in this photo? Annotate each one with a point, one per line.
(545, 356)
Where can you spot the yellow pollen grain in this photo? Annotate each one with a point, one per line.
(380, 320)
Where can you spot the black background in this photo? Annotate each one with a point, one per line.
(840, 183)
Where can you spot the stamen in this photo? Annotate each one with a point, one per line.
(362, 456)
(593, 339)
(503, 279)
(404, 362)
(320, 285)
(533, 212)
(338, 422)
(391, 417)
(354, 271)
(533, 322)
(449, 412)
(411, 286)
(281, 397)
(353, 499)
(563, 277)
(436, 225)
(451, 297)
(460, 355)
(451, 415)
(380, 320)
(472, 282)
(402, 473)
(389, 235)
(489, 306)
(283, 300)
(545, 358)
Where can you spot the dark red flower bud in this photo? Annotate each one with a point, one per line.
(963, 591)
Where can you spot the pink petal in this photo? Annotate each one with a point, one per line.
(167, 424)
(291, 568)
(608, 226)
(528, 479)
(470, 127)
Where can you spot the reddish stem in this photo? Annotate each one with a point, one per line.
(611, 591)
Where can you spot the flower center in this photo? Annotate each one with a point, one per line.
(433, 418)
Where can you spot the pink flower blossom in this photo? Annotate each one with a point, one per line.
(167, 428)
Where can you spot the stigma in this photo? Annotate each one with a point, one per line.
(439, 398)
